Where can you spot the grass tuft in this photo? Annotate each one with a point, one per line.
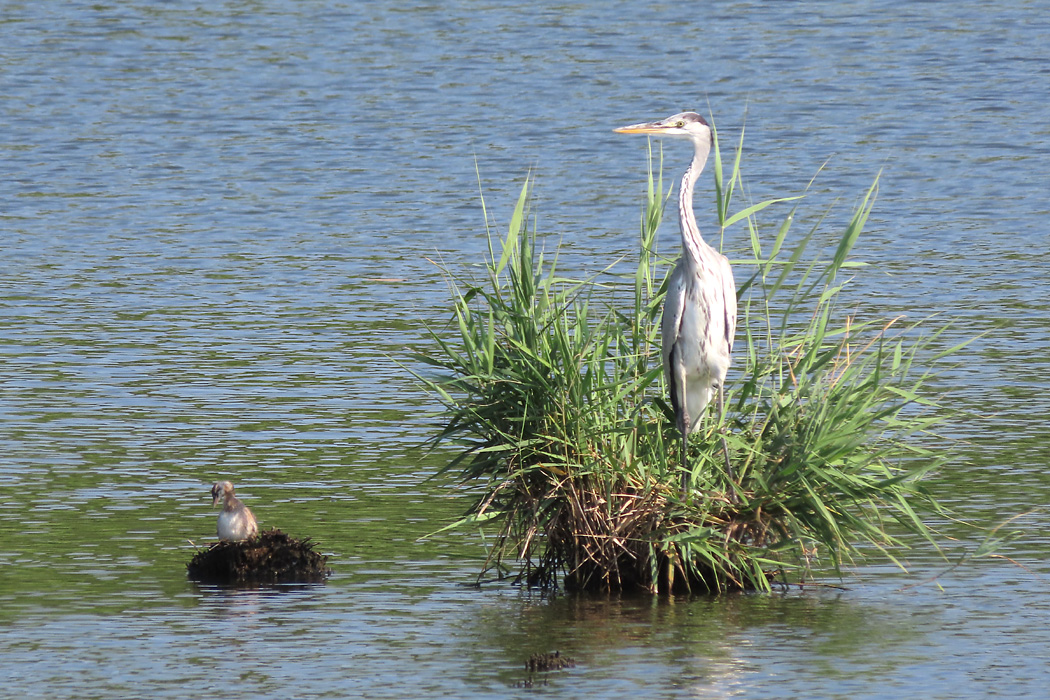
(554, 396)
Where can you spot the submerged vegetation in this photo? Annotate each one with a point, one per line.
(554, 393)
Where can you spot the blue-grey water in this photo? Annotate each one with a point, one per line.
(220, 231)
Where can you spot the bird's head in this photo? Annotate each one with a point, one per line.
(687, 125)
(219, 491)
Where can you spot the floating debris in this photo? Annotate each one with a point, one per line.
(270, 557)
(551, 661)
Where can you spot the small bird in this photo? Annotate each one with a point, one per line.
(236, 521)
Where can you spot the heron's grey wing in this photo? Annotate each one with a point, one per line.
(670, 329)
(729, 295)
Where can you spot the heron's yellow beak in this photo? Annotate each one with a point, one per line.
(646, 128)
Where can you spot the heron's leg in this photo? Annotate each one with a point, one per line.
(725, 447)
(683, 422)
(685, 465)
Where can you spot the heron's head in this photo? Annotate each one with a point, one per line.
(687, 125)
(219, 491)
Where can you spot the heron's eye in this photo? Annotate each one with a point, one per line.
(680, 123)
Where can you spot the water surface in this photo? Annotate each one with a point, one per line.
(218, 234)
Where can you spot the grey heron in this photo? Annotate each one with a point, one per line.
(699, 316)
(236, 521)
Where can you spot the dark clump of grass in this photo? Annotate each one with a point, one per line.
(271, 556)
(554, 393)
(548, 661)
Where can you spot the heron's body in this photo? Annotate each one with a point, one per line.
(699, 317)
(236, 521)
(697, 339)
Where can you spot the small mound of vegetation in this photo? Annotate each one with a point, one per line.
(548, 661)
(269, 557)
(554, 393)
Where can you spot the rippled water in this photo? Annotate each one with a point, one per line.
(218, 230)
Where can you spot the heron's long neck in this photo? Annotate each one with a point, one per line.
(693, 244)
